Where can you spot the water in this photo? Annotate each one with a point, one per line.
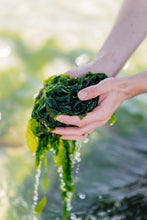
(67, 207)
(62, 186)
(111, 181)
(77, 158)
(81, 195)
(35, 197)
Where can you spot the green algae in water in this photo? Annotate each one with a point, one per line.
(59, 96)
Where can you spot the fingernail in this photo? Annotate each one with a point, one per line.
(83, 95)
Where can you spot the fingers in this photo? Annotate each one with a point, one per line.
(93, 91)
(81, 133)
(77, 131)
(79, 71)
(76, 138)
(96, 115)
(108, 103)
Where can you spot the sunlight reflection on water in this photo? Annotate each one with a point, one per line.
(5, 49)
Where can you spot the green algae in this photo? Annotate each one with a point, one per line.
(59, 96)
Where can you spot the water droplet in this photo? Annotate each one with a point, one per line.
(61, 175)
(73, 217)
(35, 197)
(81, 195)
(102, 214)
(91, 217)
(77, 168)
(77, 153)
(59, 169)
(68, 200)
(86, 140)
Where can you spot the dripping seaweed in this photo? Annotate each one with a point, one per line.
(59, 96)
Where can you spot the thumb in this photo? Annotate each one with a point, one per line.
(96, 90)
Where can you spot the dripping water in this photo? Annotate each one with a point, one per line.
(77, 157)
(75, 160)
(35, 196)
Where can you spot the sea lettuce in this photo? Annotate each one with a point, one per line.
(59, 96)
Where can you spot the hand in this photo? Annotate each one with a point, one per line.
(95, 66)
(81, 70)
(112, 93)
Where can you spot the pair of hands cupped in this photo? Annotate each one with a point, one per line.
(111, 95)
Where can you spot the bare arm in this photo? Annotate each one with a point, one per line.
(112, 92)
(135, 85)
(128, 32)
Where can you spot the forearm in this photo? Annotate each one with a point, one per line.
(128, 32)
(133, 85)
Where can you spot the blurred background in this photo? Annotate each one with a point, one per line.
(42, 38)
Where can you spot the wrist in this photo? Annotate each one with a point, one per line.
(133, 85)
(105, 63)
(126, 87)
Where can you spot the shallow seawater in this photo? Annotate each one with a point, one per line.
(110, 180)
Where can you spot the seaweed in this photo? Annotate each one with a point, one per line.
(59, 96)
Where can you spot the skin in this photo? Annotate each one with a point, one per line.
(128, 32)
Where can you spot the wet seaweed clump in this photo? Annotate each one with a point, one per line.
(59, 96)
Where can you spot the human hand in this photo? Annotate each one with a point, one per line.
(111, 92)
(95, 66)
(80, 71)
